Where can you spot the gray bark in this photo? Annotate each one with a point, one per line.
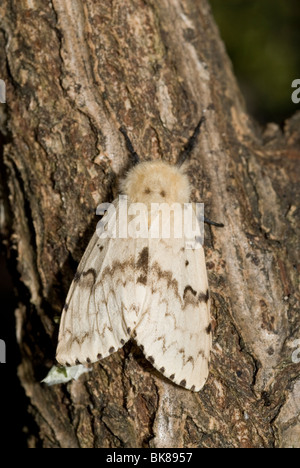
(75, 71)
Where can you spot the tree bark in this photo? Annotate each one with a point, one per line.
(75, 71)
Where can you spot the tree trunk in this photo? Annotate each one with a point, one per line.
(75, 71)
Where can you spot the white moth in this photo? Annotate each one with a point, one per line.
(152, 290)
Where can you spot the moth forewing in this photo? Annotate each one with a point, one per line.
(151, 288)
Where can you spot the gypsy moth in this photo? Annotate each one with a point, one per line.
(153, 290)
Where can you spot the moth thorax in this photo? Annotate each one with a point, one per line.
(156, 182)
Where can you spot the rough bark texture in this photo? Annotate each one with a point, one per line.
(75, 71)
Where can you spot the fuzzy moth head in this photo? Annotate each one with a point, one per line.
(156, 182)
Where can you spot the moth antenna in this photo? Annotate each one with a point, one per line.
(133, 155)
(188, 148)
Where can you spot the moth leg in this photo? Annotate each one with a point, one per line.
(188, 148)
(213, 223)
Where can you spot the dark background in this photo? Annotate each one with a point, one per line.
(262, 38)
